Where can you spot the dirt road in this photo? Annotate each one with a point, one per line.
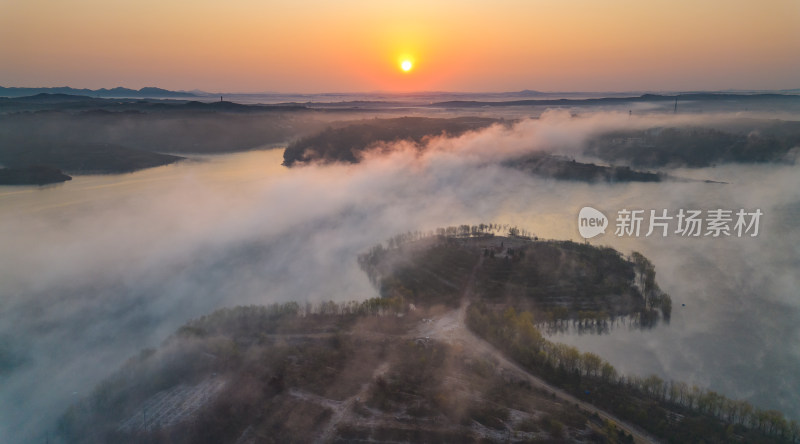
(451, 328)
(343, 411)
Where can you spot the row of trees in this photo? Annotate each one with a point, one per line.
(646, 281)
(464, 230)
(517, 335)
(482, 229)
(373, 306)
(266, 313)
(526, 343)
(370, 260)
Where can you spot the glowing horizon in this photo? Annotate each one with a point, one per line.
(313, 46)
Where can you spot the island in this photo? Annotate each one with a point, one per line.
(351, 141)
(32, 175)
(451, 350)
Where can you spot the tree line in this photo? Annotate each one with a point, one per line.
(370, 260)
(584, 373)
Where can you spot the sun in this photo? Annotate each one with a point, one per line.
(406, 65)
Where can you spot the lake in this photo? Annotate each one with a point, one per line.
(97, 268)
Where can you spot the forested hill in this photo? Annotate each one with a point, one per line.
(88, 135)
(347, 143)
(450, 352)
(102, 92)
(751, 141)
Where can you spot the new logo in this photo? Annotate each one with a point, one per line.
(591, 222)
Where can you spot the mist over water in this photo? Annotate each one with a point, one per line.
(100, 267)
(737, 332)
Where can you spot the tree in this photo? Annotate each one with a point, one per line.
(608, 372)
(591, 364)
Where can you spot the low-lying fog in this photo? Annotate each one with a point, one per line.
(97, 268)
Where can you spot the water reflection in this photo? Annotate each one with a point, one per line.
(84, 192)
(734, 325)
(636, 321)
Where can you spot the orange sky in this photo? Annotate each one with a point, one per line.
(345, 45)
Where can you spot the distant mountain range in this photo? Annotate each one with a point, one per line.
(147, 92)
(363, 98)
(705, 96)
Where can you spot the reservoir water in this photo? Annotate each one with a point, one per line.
(95, 269)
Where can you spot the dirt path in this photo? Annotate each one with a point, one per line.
(343, 411)
(451, 328)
